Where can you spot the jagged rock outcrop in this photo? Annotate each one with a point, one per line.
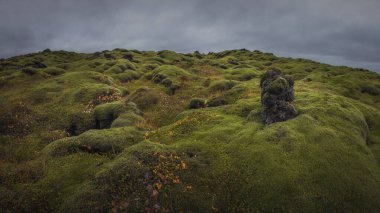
(276, 97)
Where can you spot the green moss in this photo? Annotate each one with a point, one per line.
(127, 76)
(155, 60)
(115, 70)
(126, 119)
(278, 85)
(370, 90)
(222, 85)
(170, 55)
(106, 141)
(144, 97)
(169, 74)
(54, 71)
(217, 158)
(106, 113)
(241, 74)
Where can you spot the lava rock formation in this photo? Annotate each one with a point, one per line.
(276, 96)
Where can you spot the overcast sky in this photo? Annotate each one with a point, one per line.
(341, 32)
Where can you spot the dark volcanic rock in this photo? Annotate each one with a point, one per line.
(35, 64)
(197, 103)
(218, 101)
(109, 56)
(128, 56)
(276, 97)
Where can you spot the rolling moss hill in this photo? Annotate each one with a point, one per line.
(115, 131)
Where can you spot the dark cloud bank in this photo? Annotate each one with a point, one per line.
(341, 32)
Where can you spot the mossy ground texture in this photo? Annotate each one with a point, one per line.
(144, 131)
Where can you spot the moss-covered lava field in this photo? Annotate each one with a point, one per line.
(146, 131)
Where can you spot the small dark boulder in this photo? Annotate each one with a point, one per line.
(29, 71)
(173, 88)
(109, 56)
(197, 103)
(35, 64)
(276, 96)
(215, 102)
(97, 54)
(128, 56)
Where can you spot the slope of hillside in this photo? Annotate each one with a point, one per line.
(113, 131)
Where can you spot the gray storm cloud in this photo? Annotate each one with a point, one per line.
(342, 32)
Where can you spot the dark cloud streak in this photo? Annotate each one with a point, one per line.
(343, 32)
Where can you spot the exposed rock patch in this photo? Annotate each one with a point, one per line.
(277, 95)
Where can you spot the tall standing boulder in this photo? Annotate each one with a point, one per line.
(277, 95)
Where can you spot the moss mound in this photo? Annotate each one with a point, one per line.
(127, 119)
(54, 71)
(222, 85)
(144, 97)
(197, 103)
(106, 141)
(105, 114)
(172, 77)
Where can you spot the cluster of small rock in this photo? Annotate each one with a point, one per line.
(276, 97)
